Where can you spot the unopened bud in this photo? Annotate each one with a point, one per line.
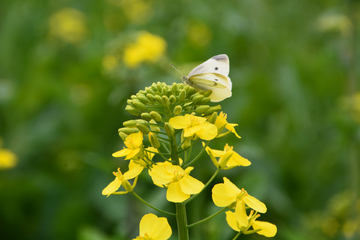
(169, 130)
(154, 141)
(165, 101)
(177, 110)
(123, 136)
(146, 116)
(202, 108)
(127, 130)
(156, 116)
(132, 110)
(144, 129)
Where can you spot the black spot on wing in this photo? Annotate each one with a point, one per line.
(216, 68)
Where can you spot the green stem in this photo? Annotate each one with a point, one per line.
(181, 220)
(197, 156)
(237, 235)
(148, 204)
(207, 218)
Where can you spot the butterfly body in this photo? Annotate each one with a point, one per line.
(212, 75)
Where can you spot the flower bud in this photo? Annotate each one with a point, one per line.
(130, 123)
(127, 130)
(158, 98)
(205, 100)
(182, 95)
(202, 108)
(169, 130)
(164, 91)
(132, 110)
(139, 105)
(142, 98)
(146, 116)
(150, 90)
(165, 101)
(177, 110)
(172, 99)
(207, 93)
(154, 141)
(197, 97)
(156, 116)
(144, 129)
(174, 87)
(213, 109)
(150, 97)
(123, 136)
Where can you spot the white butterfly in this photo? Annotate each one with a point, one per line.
(212, 75)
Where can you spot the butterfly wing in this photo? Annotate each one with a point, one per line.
(217, 64)
(219, 84)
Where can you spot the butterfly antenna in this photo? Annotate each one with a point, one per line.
(177, 69)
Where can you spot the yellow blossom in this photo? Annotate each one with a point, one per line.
(194, 125)
(154, 228)
(146, 48)
(260, 227)
(121, 179)
(178, 181)
(68, 25)
(7, 159)
(228, 159)
(226, 194)
(134, 144)
(222, 123)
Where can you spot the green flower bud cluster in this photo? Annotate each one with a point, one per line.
(160, 102)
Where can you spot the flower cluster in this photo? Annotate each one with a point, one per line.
(172, 120)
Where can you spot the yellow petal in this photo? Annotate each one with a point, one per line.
(267, 229)
(222, 195)
(188, 132)
(136, 138)
(208, 131)
(134, 170)
(154, 227)
(112, 187)
(231, 220)
(159, 175)
(231, 186)
(132, 153)
(255, 204)
(240, 160)
(122, 153)
(231, 128)
(180, 122)
(175, 194)
(240, 213)
(190, 185)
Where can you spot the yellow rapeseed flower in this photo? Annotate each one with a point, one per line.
(68, 25)
(178, 181)
(194, 125)
(154, 228)
(134, 144)
(225, 194)
(147, 48)
(260, 227)
(7, 159)
(121, 179)
(222, 123)
(228, 159)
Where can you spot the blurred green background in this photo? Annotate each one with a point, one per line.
(68, 67)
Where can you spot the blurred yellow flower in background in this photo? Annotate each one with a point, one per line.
(334, 22)
(68, 25)
(199, 34)
(146, 48)
(8, 159)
